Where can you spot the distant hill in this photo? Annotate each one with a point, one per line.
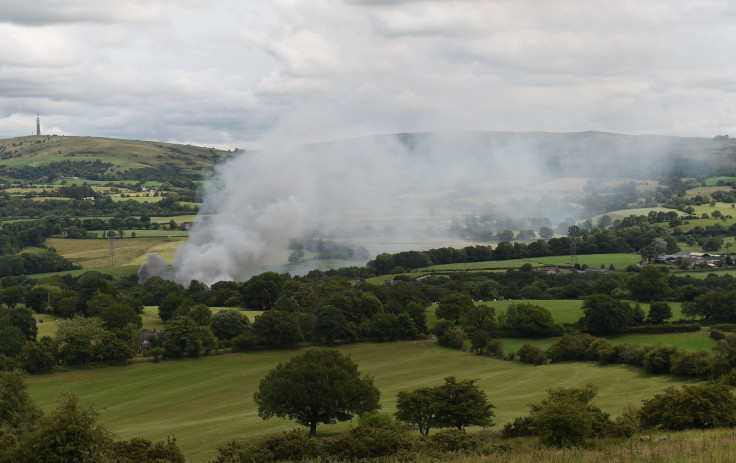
(119, 157)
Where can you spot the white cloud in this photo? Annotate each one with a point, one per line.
(249, 74)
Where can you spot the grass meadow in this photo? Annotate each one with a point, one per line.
(619, 261)
(95, 253)
(208, 401)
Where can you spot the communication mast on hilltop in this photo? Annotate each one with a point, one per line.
(572, 234)
(38, 125)
(111, 237)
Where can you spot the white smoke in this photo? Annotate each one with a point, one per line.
(397, 185)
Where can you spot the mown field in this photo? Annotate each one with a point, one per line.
(619, 261)
(95, 253)
(204, 402)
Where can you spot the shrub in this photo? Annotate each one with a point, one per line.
(495, 348)
(716, 335)
(697, 364)
(572, 346)
(368, 442)
(245, 343)
(532, 355)
(563, 419)
(658, 360)
(522, 426)
(692, 407)
(665, 328)
(454, 339)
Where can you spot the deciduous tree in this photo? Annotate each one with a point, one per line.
(319, 386)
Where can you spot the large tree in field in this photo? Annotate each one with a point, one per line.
(650, 285)
(453, 306)
(604, 315)
(319, 386)
(455, 404)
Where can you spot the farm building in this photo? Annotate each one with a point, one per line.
(146, 340)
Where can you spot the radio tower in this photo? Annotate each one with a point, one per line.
(111, 236)
(38, 125)
(572, 234)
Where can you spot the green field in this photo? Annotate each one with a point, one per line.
(95, 253)
(623, 213)
(619, 261)
(713, 181)
(208, 401)
(704, 274)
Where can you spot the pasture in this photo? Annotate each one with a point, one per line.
(208, 401)
(95, 253)
(713, 181)
(151, 319)
(619, 261)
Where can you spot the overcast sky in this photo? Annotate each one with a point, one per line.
(254, 73)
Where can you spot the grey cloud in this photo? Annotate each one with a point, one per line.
(45, 12)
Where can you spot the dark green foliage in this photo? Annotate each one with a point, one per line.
(724, 355)
(568, 419)
(691, 407)
(364, 442)
(712, 304)
(521, 426)
(665, 328)
(117, 315)
(696, 364)
(649, 285)
(17, 410)
(69, 433)
(603, 315)
(418, 407)
(529, 320)
(278, 329)
(331, 326)
(658, 360)
(454, 339)
(138, 450)
(451, 405)
(659, 312)
(201, 314)
(330, 390)
(572, 346)
(479, 341)
(226, 324)
(182, 338)
(454, 306)
(36, 357)
(169, 304)
(462, 404)
(478, 317)
(261, 291)
(716, 335)
(531, 354)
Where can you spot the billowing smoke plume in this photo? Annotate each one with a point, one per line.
(369, 189)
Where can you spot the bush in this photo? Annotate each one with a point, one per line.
(716, 335)
(664, 328)
(572, 346)
(368, 442)
(522, 426)
(658, 360)
(532, 355)
(245, 343)
(454, 339)
(730, 327)
(692, 407)
(697, 364)
(495, 348)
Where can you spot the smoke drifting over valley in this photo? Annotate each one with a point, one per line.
(400, 192)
